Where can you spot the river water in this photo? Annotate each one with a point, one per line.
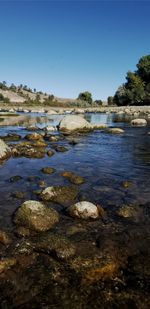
(107, 162)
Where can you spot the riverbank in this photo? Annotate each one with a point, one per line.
(129, 110)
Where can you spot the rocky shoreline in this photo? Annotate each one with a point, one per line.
(64, 250)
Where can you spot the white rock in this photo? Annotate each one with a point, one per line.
(84, 210)
(120, 113)
(50, 128)
(73, 122)
(51, 112)
(115, 131)
(41, 111)
(4, 150)
(139, 122)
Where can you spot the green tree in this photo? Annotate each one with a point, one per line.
(98, 102)
(121, 97)
(144, 68)
(110, 100)
(1, 97)
(13, 87)
(136, 90)
(85, 96)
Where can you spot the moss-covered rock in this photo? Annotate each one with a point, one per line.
(60, 148)
(130, 211)
(60, 194)
(29, 150)
(34, 215)
(34, 136)
(11, 137)
(73, 178)
(15, 178)
(19, 194)
(5, 238)
(47, 170)
(50, 153)
(55, 245)
(7, 263)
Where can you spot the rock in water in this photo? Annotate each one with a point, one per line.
(34, 215)
(84, 210)
(115, 131)
(5, 151)
(139, 122)
(60, 194)
(72, 123)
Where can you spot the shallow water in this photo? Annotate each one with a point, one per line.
(105, 161)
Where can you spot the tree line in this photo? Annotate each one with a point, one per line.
(136, 90)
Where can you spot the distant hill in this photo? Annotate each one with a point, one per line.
(23, 94)
(20, 95)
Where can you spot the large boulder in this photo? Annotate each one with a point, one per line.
(139, 122)
(5, 151)
(73, 122)
(36, 216)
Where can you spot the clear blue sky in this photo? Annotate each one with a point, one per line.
(65, 47)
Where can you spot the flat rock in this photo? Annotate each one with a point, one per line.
(115, 131)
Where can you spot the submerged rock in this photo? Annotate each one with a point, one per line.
(29, 150)
(5, 151)
(5, 238)
(34, 215)
(84, 210)
(73, 178)
(127, 211)
(19, 194)
(50, 153)
(139, 122)
(60, 194)
(60, 148)
(56, 245)
(126, 184)
(47, 170)
(15, 178)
